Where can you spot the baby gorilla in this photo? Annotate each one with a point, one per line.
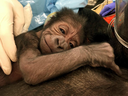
(63, 32)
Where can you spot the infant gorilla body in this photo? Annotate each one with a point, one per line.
(63, 32)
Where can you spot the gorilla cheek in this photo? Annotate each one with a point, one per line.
(44, 47)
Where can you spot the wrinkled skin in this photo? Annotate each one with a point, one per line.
(59, 37)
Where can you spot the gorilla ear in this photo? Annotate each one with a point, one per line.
(49, 18)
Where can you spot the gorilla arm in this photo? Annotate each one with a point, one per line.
(37, 68)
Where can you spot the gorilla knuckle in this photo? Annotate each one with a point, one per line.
(107, 44)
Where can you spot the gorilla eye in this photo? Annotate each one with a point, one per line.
(62, 30)
(71, 45)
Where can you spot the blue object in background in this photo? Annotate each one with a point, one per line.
(108, 9)
(72, 4)
(42, 8)
(50, 4)
(39, 11)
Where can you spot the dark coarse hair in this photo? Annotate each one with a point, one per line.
(64, 15)
(95, 28)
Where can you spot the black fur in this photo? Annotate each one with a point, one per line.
(96, 30)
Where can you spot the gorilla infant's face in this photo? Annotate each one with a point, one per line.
(60, 36)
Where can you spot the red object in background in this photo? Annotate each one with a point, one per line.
(109, 18)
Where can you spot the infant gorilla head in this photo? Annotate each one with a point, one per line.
(64, 31)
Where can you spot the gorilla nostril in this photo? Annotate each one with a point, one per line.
(60, 47)
(57, 41)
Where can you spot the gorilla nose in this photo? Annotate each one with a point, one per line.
(60, 43)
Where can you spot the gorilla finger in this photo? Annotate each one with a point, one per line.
(116, 69)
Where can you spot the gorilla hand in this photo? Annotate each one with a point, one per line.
(100, 55)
